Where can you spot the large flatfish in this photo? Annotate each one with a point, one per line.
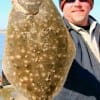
(38, 49)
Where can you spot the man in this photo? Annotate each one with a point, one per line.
(83, 82)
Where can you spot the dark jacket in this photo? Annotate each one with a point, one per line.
(83, 82)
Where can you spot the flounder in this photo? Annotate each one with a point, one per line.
(38, 49)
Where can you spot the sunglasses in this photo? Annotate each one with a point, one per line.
(71, 1)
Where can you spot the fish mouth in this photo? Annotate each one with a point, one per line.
(27, 7)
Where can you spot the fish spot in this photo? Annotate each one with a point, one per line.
(18, 56)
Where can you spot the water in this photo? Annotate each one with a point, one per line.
(2, 38)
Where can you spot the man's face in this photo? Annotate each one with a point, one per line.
(77, 11)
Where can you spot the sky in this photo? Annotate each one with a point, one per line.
(5, 7)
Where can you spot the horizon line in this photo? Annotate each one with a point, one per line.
(2, 31)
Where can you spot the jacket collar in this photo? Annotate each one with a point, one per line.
(92, 21)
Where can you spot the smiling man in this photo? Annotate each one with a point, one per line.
(83, 82)
(76, 12)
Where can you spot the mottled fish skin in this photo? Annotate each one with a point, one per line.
(38, 50)
(10, 93)
(31, 6)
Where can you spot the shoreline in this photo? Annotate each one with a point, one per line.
(2, 31)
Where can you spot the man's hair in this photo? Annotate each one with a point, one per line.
(60, 2)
